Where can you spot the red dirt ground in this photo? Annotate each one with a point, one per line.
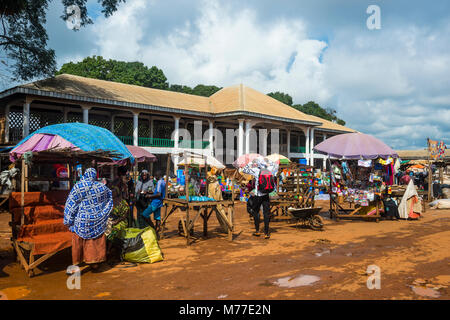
(409, 253)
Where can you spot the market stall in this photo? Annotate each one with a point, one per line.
(37, 216)
(295, 186)
(194, 203)
(361, 170)
(50, 160)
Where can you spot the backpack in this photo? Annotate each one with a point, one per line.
(266, 182)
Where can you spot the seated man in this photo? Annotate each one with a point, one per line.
(156, 202)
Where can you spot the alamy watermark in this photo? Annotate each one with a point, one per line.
(374, 280)
(373, 22)
(74, 19)
(74, 279)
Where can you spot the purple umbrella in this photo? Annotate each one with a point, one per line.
(355, 146)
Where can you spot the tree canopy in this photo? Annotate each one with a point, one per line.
(23, 37)
(315, 109)
(118, 71)
(131, 73)
(283, 97)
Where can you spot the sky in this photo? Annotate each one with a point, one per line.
(392, 82)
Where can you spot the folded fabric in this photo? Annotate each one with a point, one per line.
(197, 198)
(365, 163)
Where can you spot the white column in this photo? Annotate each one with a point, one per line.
(324, 159)
(135, 128)
(7, 109)
(288, 143)
(307, 144)
(113, 117)
(176, 138)
(248, 127)
(151, 127)
(85, 114)
(26, 119)
(211, 137)
(263, 142)
(241, 138)
(177, 131)
(311, 146)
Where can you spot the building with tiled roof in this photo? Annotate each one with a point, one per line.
(155, 119)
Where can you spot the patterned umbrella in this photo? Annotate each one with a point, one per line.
(278, 158)
(243, 160)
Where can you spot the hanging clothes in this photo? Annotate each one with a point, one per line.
(365, 163)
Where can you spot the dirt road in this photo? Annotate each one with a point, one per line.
(295, 263)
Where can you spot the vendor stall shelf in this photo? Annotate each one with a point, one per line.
(188, 205)
(354, 191)
(296, 189)
(37, 226)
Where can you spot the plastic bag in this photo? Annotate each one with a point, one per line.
(140, 245)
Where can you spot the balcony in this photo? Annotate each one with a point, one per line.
(164, 143)
(296, 149)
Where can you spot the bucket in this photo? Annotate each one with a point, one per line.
(302, 161)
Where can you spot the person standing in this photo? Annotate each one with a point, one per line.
(156, 202)
(264, 172)
(144, 186)
(215, 193)
(86, 214)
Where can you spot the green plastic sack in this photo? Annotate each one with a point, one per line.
(140, 245)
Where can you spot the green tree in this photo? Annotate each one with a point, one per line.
(23, 38)
(315, 109)
(180, 88)
(118, 71)
(283, 97)
(204, 90)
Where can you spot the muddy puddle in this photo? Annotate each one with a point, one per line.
(426, 292)
(299, 281)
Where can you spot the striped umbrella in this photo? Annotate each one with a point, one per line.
(243, 160)
(278, 158)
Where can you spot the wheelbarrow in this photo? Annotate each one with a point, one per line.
(308, 217)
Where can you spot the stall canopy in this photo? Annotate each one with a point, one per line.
(77, 136)
(355, 145)
(141, 155)
(198, 160)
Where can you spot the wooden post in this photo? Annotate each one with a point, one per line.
(163, 223)
(430, 181)
(186, 190)
(26, 177)
(22, 191)
(330, 188)
(230, 219)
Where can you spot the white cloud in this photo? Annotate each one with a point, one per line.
(392, 83)
(224, 46)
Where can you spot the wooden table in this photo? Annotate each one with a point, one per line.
(338, 211)
(202, 209)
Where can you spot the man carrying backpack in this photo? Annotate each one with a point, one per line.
(264, 172)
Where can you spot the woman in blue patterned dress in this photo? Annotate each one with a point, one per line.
(86, 214)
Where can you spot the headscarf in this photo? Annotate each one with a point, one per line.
(88, 206)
